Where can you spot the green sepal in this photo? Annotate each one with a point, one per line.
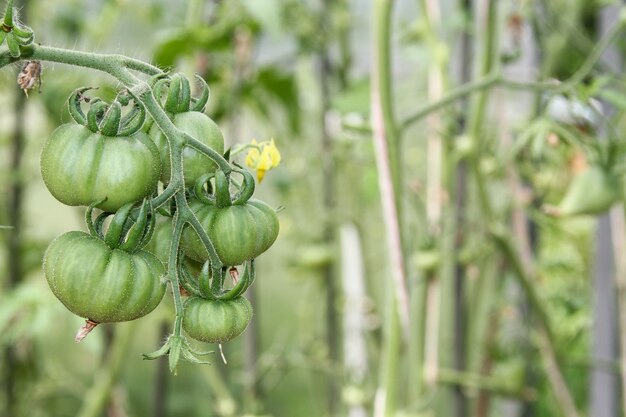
(14, 47)
(172, 100)
(185, 279)
(23, 40)
(185, 96)
(134, 120)
(73, 105)
(204, 282)
(115, 232)
(23, 32)
(199, 191)
(99, 224)
(150, 228)
(91, 226)
(95, 113)
(247, 188)
(189, 356)
(8, 14)
(222, 190)
(3, 36)
(175, 347)
(136, 233)
(157, 87)
(110, 123)
(198, 104)
(245, 280)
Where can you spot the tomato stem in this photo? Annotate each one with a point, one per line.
(84, 330)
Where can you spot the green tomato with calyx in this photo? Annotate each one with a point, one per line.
(103, 284)
(103, 157)
(216, 321)
(187, 115)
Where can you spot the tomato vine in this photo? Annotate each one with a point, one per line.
(175, 138)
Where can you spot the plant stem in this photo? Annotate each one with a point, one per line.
(15, 238)
(328, 192)
(387, 151)
(494, 385)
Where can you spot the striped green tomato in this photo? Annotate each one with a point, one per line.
(81, 167)
(239, 232)
(216, 321)
(102, 284)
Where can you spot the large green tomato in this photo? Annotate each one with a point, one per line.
(102, 284)
(238, 232)
(216, 321)
(199, 126)
(81, 167)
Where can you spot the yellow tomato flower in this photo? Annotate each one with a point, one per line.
(262, 157)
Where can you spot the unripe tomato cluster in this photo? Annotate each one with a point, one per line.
(112, 160)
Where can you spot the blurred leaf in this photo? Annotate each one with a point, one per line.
(24, 311)
(355, 99)
(208, 38)
(274, 85)
(188, 40)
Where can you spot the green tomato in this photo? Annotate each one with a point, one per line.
(102, 284)
(160, 243)
(81, 167)
(199, 126)
(216, 321)
(238, 232)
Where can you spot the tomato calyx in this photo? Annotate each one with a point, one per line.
(210, 282)
(178, 98)
(221, 197)
(15, 33)
(177, 347)
(124, 232)
(107, 118)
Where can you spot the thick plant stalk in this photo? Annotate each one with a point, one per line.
(387, 149)
(389, 177)
(354, 326)
(434, 190)
(324, 69)
(441, 297)
(15, 238)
